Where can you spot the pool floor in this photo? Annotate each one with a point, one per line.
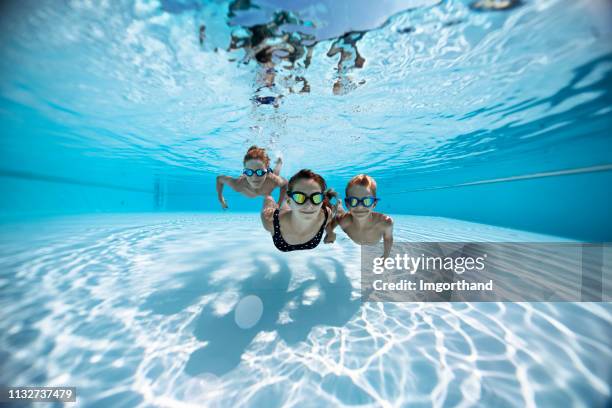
(141, 310)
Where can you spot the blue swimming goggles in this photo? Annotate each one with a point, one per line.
(365, 201)
(258, 172)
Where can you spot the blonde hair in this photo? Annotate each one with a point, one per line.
(362, 180)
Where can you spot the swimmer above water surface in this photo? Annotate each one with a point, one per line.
(257, 178)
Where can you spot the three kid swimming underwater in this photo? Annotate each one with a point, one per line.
(304, 211)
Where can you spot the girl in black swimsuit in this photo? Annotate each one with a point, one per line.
(299, 224)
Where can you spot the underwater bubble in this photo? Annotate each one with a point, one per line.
(248, 312)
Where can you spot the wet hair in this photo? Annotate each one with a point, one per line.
(257, 153)
(362, 180)
(307, 174)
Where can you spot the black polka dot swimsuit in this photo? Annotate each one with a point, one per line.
(282, 245)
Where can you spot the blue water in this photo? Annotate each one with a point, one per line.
(142, 310)
(120, 275)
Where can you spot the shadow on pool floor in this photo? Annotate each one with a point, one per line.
(227, 341)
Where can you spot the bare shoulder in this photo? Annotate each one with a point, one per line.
(236, 180)
(382, 219)
(240, 183)
(225, 178)
(233, 182)
(277, 180)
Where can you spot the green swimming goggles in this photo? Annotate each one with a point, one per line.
(365, 201)
(300, 198)
(258, 172)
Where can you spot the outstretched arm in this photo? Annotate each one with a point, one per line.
(267, 213)
(330, 235)
(338, 214)
(283, 191)
(388, 236)
(221, 180)
(277, 166)
(340, 211)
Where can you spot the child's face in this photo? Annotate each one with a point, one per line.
(255, 181)
(360, 192)
(307, 210)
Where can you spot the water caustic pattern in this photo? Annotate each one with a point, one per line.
(495, 111)
(146, 311)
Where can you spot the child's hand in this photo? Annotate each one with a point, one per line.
(223, 204)
(330, 238)
(279, 161)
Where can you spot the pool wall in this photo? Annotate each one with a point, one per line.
(574, 206)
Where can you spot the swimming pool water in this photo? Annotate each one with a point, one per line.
(141, 311)
(118, 106)
(120, 275)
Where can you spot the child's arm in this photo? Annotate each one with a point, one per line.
(335, 219)
(387, 236)
(283, 190)
(267, 213)
(277, 166)
(340, 211)
(330, 235)
(221, 180)
(340, 219)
